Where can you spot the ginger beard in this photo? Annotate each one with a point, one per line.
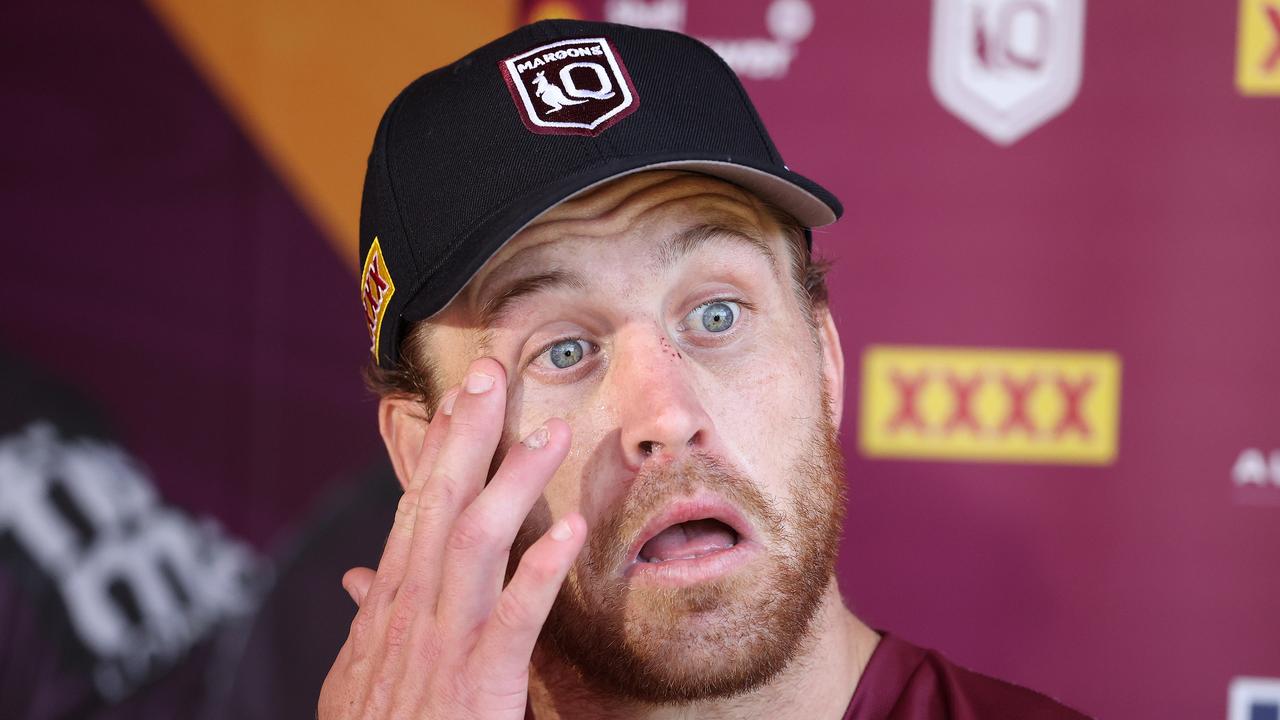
(718, 638)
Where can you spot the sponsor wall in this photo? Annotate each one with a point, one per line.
(1056, 282)
(1056, 286)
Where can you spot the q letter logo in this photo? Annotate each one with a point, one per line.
(1006, 66)
(571, 87)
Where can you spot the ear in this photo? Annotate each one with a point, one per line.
(832, 362)
(403, 428)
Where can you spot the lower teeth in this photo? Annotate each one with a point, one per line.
(690, 557)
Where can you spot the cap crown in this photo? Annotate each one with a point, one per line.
(470, 153)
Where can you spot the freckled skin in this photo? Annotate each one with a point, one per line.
(613, 233)
(749, 400)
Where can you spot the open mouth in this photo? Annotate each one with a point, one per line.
(692, 540)
(688, 540)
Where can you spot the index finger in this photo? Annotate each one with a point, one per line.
(458, 473)
(461, 464)
(437, 431)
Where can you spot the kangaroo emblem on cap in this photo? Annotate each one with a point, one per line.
(583, 77)
(551, 94)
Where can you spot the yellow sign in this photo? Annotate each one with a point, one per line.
(1033, 406)
(1258, 48)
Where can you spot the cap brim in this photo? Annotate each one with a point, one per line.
(804, 199)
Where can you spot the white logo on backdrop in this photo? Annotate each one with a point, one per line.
(1006, 66)
(1253, 697)
(788, 23)
(142, 582)
(1254, 468)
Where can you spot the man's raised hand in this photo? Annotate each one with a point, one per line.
(436, 635)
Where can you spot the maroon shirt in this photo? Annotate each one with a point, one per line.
(905, 682)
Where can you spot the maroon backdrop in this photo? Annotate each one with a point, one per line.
(1143, 220)
(158, 264)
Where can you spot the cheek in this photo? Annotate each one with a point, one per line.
(765, 406)
(568, 490)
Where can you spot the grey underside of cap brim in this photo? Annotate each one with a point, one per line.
(802, 204)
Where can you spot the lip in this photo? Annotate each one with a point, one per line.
(692, 570)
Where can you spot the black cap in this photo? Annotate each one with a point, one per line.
(469, 154)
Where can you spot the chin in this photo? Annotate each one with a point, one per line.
(661, 644)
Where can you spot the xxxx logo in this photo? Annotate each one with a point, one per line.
(1258, 48)
(376, 288)
(996, 405)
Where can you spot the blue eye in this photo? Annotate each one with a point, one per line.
(566, 353)
(714, 317)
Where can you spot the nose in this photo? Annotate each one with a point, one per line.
(654, 387)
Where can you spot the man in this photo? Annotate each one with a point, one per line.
(610, 388)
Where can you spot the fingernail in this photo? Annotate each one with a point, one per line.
(446, 405)
(561, 531)
(478, 382)
(538, 438)
(352, 593)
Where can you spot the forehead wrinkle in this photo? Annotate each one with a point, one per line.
(610, 195)
(628, 200)
(609, 209)
(619, 219)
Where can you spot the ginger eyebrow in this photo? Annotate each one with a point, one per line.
(496, 308)
(729, 228)
(498, 305)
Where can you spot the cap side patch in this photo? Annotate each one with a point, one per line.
(376, 289)
(570, 87)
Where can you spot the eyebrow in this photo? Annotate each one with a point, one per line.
(500, 303)
(726, 228)
(494, 309)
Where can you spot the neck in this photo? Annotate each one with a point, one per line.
(817, 683)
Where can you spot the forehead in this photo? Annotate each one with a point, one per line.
(652, 206)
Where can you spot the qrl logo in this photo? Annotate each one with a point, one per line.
(998, 44)
(574, 87)
(1006, 66)
(1000, 405)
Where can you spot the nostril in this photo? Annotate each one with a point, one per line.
(648, 447)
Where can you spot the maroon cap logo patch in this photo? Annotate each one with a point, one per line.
(571, 87)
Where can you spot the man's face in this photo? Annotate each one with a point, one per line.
(658, 317)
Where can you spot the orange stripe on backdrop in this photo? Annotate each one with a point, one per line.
(309, 79)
